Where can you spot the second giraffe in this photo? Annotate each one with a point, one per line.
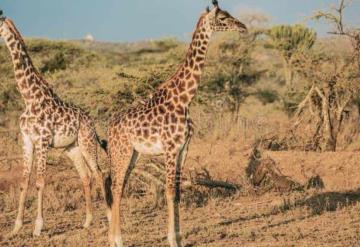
(162, 126)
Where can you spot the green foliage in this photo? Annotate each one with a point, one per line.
(56, 63)
(267, 96)
(291, 39)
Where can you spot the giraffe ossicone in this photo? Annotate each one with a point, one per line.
(161, 125)
(48, 122)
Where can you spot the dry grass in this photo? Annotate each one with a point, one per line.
(328, 217)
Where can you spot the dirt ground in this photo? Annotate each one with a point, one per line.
(311, 218)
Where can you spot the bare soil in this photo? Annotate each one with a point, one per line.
(311, 218)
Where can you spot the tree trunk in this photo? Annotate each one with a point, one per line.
(288, 74)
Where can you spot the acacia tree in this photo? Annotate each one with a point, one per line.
(235, 73)
(333, 81)
(289, 41)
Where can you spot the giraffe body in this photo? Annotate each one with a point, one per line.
(161, 125)
(48, 122)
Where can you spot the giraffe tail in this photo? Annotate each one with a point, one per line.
(102, 143)
(108, 193)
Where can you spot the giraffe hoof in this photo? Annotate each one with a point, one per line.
(118, 241)
(38, 227)
(174, 240)
(108, 215)
(88, 221)
(17, 227)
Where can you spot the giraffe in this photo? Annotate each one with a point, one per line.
(161, 126)
(48, 122)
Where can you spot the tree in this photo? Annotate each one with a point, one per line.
(333, 81)
(289, 41)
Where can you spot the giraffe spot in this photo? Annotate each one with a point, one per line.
(19, 75)
(142, 118)
(182, 120)
(170, 106)
(176, 99)
(184, 98)
(173, 118)
(191, 83)
(172, 128)
(178, 139)
(191, 63)
(42, 117)
(180, 110)
(145, 124)
(196, 77)
(155, 111)
(150, 117)
(192, 91)
(199, 59)
(22, 83)
(170, 144)
(162, 109)
(160, 119)
(182, 87)
(146, 133)
(36, 130)
(16, 56)
(12, 45)
(167, 118)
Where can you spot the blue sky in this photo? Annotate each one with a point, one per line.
(133, 20)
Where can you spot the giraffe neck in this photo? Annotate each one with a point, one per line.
(31, 85)
(185, 82)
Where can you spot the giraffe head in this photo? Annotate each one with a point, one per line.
(219, 20)
(7, 27)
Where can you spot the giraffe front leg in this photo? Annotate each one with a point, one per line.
(41, 151)
(173, 198)
(28, 154)
(122, 164)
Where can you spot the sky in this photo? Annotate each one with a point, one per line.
(135, 20)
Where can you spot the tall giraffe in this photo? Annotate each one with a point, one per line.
(48, 122)
(161, 125)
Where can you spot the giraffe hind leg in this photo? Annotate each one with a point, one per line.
(121, 165)
(88, 146)
(174, 162)
(75, 154)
